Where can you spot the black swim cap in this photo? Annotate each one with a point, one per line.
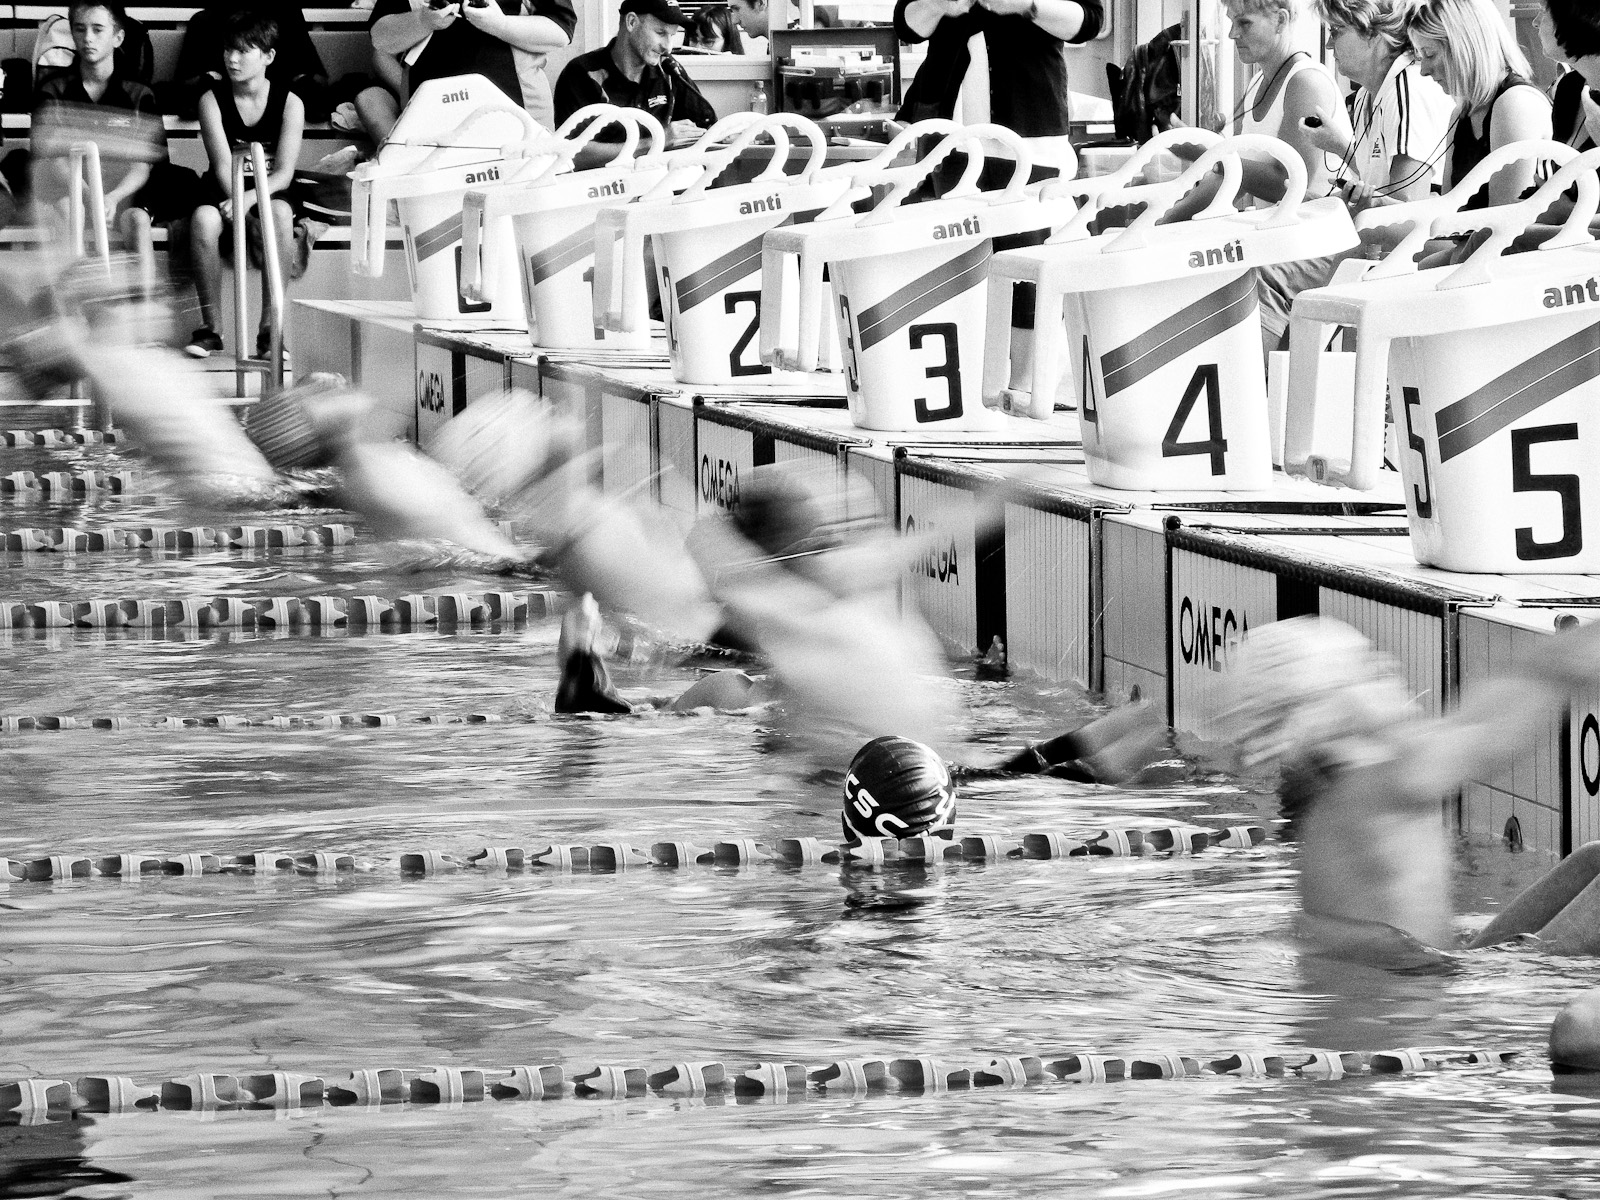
(285, 429)
(897, 788)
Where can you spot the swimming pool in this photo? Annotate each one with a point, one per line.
(966, 961)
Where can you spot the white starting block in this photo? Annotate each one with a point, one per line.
(708, 251)
(450, 139)
(552, 216)
(1355, 462)
(1174, 395)
(906, 284)
(1058, 301)
(1490, 367)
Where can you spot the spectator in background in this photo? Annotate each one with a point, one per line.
(1026, 42)
(1466, 46)
(635, 70)
(248, 106)
(1401, 119)
(1569, 31)
(297, 65)
(93, 99)
(715, 31)
(751, 16)
(493, 38)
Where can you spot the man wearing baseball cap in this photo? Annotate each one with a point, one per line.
(635, 70)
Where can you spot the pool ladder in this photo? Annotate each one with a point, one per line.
(87, 214)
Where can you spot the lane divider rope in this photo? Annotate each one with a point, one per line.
(59, 438)
(307, 613)
(69, 540)
(51, 485)
(616, 857)
(36, 1099)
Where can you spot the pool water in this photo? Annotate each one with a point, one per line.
(238, 974)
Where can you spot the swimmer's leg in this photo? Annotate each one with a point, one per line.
(585, 682)
(1108, 749)
(1563, 906)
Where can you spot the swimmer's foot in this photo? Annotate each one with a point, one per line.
(585, 682)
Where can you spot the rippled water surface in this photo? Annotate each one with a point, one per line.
(235, 974)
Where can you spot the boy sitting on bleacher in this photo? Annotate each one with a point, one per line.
(243, 107)
(92, 100)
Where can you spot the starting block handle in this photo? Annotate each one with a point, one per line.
(1507, 222)
(903, 179)
(810, 296)
(583, 126)
(717, 146)
(460, 134)
(719, 160)
(1224, 154)
(1287, 210)
(1307, 337)
(1124, 175)
(1098, 199)
(808, 129)
(476, 242)
(1426, 215)
(1021, 159)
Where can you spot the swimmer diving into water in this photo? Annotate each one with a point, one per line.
(89, 324)
(1364, 776)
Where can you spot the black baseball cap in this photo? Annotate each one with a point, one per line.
(666, 10)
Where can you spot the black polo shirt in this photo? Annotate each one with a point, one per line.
(125, 121)
(665, 92)
(463, 49)
(1027, 68)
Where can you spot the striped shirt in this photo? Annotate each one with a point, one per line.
(1409, 115)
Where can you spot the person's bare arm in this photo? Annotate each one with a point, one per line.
(1059, 18)
(522, 32)
(1521, 115)
(218, 153)
(923, 16)
(287, 153)
(399, 32)
(1498, 718)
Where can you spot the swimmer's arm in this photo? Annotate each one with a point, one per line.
(1498, 718)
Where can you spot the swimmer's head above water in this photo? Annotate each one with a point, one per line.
(1311, 685)
(896, 787)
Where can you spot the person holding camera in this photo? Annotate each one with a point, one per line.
(636, 70)
(506, 41)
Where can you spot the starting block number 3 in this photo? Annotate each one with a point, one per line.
(922, 337)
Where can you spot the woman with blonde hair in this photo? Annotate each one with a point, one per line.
(1468, 48)
(1401, 119)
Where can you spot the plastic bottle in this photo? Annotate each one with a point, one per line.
(759, 103)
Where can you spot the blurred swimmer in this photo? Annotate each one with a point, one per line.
(819, 603)
(89, 324)
(1364, 775)
(896, 787)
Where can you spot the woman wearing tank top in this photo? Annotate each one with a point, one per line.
(243, 107)
(1467, 47)
(1289, 85)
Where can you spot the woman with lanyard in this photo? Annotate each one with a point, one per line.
(1289, 86)
(1402, 120)
(1467, 47)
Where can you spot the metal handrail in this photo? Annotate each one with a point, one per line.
(84, 158)
(255, 157)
